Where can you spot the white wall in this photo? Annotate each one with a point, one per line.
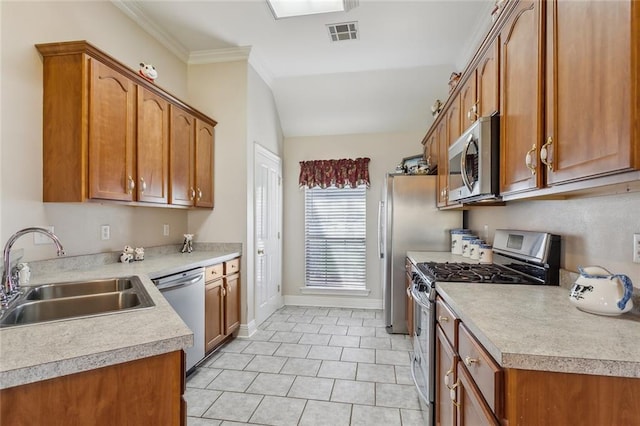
(595, 231)
(385, 151)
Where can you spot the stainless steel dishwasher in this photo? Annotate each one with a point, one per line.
(185, 293)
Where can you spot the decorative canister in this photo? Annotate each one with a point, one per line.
(598, 291)
(474, 249)
(456, 239)
(485, 253)
(466, 244)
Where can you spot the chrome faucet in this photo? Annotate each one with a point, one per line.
(10, 284)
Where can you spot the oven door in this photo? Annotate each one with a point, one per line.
(422, 367)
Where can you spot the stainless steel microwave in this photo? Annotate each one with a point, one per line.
(474, 162)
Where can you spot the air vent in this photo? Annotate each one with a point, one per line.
(343, 31)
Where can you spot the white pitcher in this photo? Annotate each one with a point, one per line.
(598, 291)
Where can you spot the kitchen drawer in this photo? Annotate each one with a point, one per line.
(486, 373)
(214, 272)
(232, 266)
(448, 321)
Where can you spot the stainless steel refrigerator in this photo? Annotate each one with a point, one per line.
(408, 221)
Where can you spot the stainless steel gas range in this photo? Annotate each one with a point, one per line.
(520, 258)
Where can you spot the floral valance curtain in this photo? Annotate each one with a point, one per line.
(341, 173)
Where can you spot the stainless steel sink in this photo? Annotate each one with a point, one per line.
(52, 302)
(70, 289)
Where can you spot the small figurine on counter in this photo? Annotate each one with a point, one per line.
(127, 255)
(24, 273)
(138, 253)
(187, 246)
(148, 71)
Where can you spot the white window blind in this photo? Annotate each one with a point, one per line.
(335, 230)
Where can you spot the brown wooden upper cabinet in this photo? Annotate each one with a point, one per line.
(468, 102)
(108, 133)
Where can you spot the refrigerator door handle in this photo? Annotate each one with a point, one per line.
(380, 230)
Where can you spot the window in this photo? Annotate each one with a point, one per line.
(335, 231)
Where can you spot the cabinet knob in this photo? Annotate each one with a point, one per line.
(544, 153)
(468, 361)
(132, 184)
(528, 160)
(143, 185)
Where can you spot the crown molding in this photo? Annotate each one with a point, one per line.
(227, 54)
(133, 11)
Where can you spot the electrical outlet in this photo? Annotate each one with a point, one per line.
(165, 229)
(636, 248)
(39, 238)
(105, 232)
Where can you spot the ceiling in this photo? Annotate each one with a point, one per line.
(383, 82)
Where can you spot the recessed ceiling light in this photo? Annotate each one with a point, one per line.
(291, 8)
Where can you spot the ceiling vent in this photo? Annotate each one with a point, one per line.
(343, 31)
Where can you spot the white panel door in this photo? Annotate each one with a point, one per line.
(268, 233)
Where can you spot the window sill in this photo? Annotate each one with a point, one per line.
(326, 291)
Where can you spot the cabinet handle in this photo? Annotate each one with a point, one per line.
(192, 193)
(544, 154)
(528, 160)
(447, 382)
(224, 292)
(443, 319)
(472, 114)
(468, 361)
(199, 194)
(452, 393)
(143, 185)
(132, 184)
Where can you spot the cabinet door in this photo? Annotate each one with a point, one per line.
(182, 154)
(588, 89)
(453, 121)
(488, 74)
(409, 303)
(430, 151)
(522, 90)
(204, 164)
(472, 409)
(445, 378)
(443, 163)
(232, 303)
(152, 147)
(214, 314)
(112, 113)
(468, 103)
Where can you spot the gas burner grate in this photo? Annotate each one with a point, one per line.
(471, 273)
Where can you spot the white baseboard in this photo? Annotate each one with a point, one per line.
(247, 330)
(333, 302)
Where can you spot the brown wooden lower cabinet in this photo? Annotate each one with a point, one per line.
(146, 391)
(222, 302)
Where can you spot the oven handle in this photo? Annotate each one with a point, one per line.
(413, 376)
(463, 164)
(419, 300)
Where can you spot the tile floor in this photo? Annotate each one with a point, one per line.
(308, 366)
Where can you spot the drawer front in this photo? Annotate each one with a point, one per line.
(448, 322)
(214, 272)
(231, 266)
(486, 373)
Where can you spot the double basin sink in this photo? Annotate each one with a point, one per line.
(66, 300)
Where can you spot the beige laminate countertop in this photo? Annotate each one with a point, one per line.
(43, 351)
(537, 328)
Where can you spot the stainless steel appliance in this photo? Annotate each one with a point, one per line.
(474, 160)
(408, 220)
(520, 258)
(185, 293)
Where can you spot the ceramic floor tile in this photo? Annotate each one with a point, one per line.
(274, 410)
(345, 341)
(280, 326)
(271, 384)
(403, 375)
(350, 321)
(199, 421)
(326, 413)
(375, 342)
(266, 364)
(234, 406)
(338, 370)
(364, 415)
(293, 350)
(365, 314)
(311, 388)
(262, 335)
(233, 380)
(232, 361)
(397, 396)
(325, 352)
(202, 377)
(340, 330)
(300, 319)
(286, 337)
(412, 418)
(354, 392)
(376, 373)
(236, 345)
(322, 312)
(362, 331)
(402, 345)
(261, 348)
(307, 328)
(384, 356)
(382, 332)
(199, 400)
(314, 339)
(339, 312)
(325, 320)
(301, 367)
(359, 355)
(278, 317)
(379, 314)
(378, 323)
